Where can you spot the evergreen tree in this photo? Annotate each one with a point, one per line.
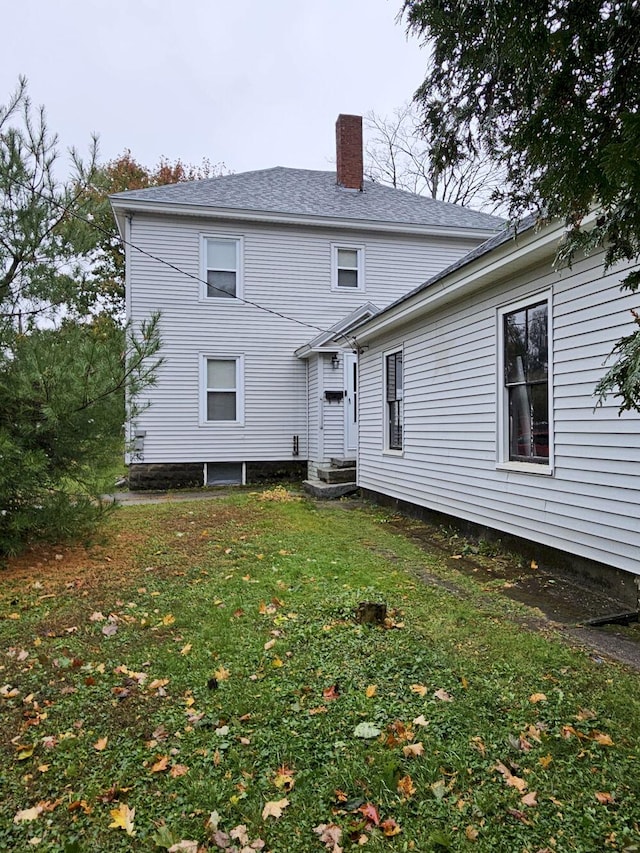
(551, 89)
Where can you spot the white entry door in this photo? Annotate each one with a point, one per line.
(351, 404)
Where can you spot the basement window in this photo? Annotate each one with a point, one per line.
(224, 473)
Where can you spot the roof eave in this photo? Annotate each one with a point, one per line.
(123, 207)
(523, 251)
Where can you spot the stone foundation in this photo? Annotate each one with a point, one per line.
(144, 476)
(613, 582)
(276, 472)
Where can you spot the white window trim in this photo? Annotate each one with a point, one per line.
(386, 450)
(350, 247)
(503, 463)
(221, 300)
(239, 389)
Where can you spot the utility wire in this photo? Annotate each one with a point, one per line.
(353, 344)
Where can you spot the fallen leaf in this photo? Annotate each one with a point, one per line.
(471, 833)
(123, 818)
(96, 616)
(601, 738)
(169, 619)
(110, 629)
(509, 778)
(330, 835)
(421, 721)
(545, 761)
(161, 764)
(439, 789)
(28, 814)
(370, 692)
(330, 693)
(366, 731)
(186, 649)
(274, 808)
(406, 787)
(413, 750)
(186, 846)
(222, 674)
(100, 744)
(529, 799)
(371, 813)
(604, 798)
(443, 696)
(537, 697)
(478, 743)
(269, 645)
(420, 689)
(178, 770)
(390, 827)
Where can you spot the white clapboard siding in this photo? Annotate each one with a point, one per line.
(590, 505)
(286, 270)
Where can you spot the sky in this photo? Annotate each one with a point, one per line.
(250, 83)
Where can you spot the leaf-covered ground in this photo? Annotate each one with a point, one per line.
(198, 681)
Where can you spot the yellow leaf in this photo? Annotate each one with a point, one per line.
(123, 818)
(42, 768)
(537, 697)
(420, 689)
(274, 808)
(269, 645)
(100, 744)
(13, 616)
(413, 750)
(471, 832)
(277, 662)
(601, 738)
(158, 682)
(161, 764)
(534, 565)
(25, 752)
(545, 761)
(406, 787)
(169, 619)
(370, 692)
(186, 649)
(222, 674)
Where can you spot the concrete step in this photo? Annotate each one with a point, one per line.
(336, 475)
(341, 462)
(328, 491)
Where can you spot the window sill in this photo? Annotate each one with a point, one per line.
(220, 424)
(526, 468)
(394, 453)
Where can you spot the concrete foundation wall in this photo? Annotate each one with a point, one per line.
(187, 475)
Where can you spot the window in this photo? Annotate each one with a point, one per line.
(393, 388)
(347, 268)
(525, 345)
(222, 267)
(222, 390)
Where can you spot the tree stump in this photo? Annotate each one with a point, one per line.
(371, 613)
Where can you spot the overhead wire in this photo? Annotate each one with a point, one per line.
(352, 342)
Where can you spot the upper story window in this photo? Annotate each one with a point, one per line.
(526, 387)
(394, 397)
(223, 390)
(347, 267)
(222, 267)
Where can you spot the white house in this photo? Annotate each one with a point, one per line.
(251, 273)
(477, 401)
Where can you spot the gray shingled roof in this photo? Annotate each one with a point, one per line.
(302, 192)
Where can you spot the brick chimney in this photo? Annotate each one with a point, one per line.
(349, 168)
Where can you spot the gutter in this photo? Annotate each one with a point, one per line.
(123, 206)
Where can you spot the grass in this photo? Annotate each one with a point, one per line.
(213, 645)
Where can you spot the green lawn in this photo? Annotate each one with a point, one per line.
(198, 676)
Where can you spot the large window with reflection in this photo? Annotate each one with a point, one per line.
(525, 335)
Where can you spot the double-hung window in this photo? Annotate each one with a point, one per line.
(394, 396)
(222, 267)
(222, 390)
(526, 406)
(347, 267)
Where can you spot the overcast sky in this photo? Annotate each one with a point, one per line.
(252, 83)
